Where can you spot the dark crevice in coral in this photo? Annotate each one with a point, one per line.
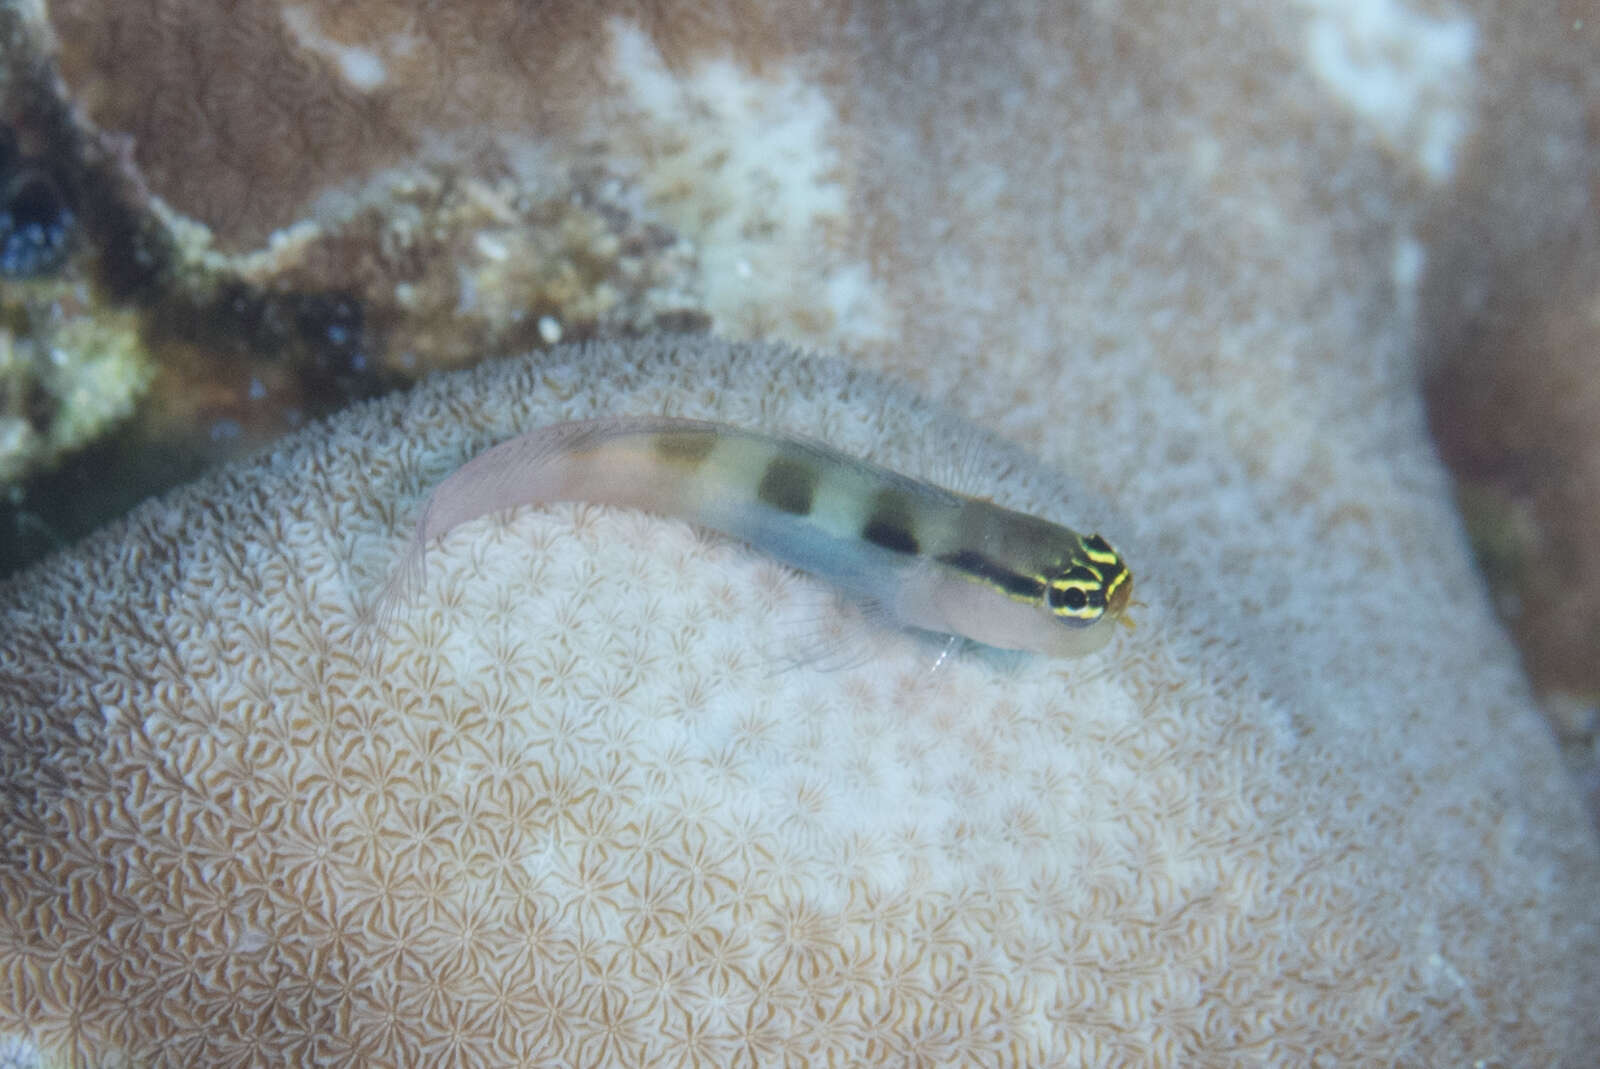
(132, 253)
(326, 337)
(36, 225)
(40, 407)
(102, 480)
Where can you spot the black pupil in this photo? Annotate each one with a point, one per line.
(1070, 597)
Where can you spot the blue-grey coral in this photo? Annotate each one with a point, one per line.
(572, 815)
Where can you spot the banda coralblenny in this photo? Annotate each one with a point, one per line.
(930, 558)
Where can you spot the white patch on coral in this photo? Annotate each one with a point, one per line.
(746, 166)
(1409, 260)
(1405, 73)
(361, 67)
(18, 1053)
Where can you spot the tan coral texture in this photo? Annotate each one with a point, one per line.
(585, 808)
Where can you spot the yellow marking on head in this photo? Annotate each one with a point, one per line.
(1077, 595)
(1099, 551)
(1119, 590)
(1095, 584)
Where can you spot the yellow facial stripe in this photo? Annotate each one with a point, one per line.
(1114, 573)
(1095, 584)
(1118, 582)
(1078, 595)
(1099, 551)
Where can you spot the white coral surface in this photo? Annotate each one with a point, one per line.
(580, 810)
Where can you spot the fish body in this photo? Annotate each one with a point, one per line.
(931, 558)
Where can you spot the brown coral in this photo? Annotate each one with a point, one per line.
(244, 114)
(1509, 328)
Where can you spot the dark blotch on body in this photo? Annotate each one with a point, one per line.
(889, 523)
(688, 448)
(788, 486)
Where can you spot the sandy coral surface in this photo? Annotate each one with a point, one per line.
(580, 808)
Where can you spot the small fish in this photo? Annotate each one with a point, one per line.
(927, 557)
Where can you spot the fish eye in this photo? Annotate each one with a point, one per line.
(1071, 598)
